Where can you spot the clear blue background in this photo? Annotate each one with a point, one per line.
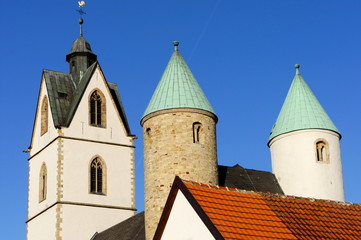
(241, 52)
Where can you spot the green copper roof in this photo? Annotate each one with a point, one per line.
(178, 88)
(301, 110)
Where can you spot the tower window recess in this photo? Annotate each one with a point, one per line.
(196, 131)
(97, 109)
(322, 153)
(44, 116)
(42, 183)
(97, 176)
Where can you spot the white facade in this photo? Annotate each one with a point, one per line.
(70, 210)
(297, 167)
(184, 222)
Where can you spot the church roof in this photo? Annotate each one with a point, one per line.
(130, 229)
(230, 177)
(248, 179)
(235, 214)
(301, 110)
(178, 88)
(65, 95)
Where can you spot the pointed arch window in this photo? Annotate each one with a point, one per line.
(196, 131)
(322, 152)
(44, 116)
(42, 183)
(97, 176)
(97, 109)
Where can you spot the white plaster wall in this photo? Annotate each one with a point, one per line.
(119, 167)
(80, 222)
(49, 157)
(297, 170)
(80, 126)
(43, 226)
(184, 223)
(38, 141)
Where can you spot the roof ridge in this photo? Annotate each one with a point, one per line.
(268, 194)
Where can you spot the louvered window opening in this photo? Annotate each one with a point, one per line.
(96, 177)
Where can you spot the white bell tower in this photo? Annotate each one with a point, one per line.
(81, 164)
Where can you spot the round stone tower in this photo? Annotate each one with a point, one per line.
(305, 146)
(179, 134)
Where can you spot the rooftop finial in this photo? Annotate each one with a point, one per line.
(81, 21)
(297, 66)
(175, 44)
(81, 13)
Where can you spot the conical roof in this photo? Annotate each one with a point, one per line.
(301, 110)
(178, 88)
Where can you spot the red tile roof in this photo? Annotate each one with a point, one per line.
(239, 214)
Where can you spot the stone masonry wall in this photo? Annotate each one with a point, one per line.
(170, 150)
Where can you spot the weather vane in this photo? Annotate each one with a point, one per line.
(80, 10)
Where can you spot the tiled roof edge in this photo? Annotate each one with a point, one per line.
(268, 194)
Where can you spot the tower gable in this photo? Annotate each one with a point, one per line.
(114, 124)
(44, 128)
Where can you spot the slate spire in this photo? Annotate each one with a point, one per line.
(178, 88)
(80, 57)
(301, 110)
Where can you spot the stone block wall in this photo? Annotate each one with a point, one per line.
(170, 150)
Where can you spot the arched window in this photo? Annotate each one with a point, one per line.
(42, 183)
(196, 132)
(322, 154)
(44, 116)
(97, 176)
(97, 109)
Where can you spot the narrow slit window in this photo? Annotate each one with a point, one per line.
(97, 176)
(42, 183)
(196, 132)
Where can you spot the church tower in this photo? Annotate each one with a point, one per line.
(179, 131)
(305, 146)
(81, 163)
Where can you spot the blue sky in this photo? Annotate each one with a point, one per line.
(241, 52)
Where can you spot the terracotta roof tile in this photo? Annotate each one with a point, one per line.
(239, 214)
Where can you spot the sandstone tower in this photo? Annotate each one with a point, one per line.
(179, 129)
(305, 146)
(81, 163)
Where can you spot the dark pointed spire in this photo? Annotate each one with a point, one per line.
(80, 57)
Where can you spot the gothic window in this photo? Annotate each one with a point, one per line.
(196, 131)
(97, 109)
(97, 176)
(322, 154)
(42, 183)
(44, 116)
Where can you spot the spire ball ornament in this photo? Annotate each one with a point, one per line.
(297, 66)
(175, 44)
